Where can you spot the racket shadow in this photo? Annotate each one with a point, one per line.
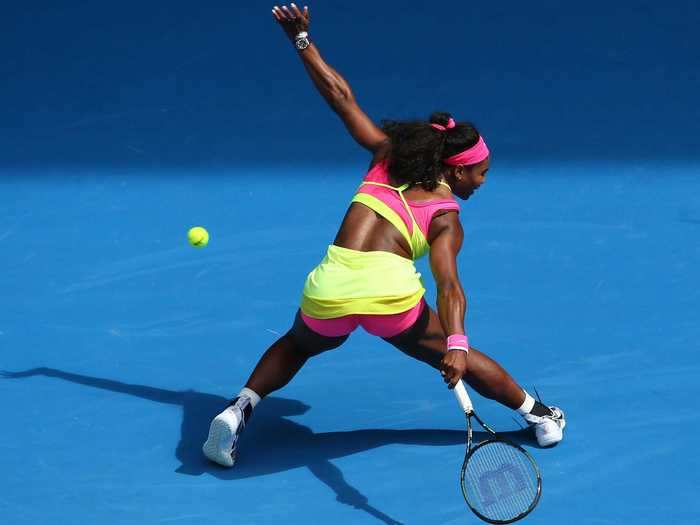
(272, 443)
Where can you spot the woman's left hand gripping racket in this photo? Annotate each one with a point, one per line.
(500, 480)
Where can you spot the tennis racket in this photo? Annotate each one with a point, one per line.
(500, 480)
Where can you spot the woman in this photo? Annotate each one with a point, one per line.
(404, 208)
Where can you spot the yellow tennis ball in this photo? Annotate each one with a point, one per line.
(198, 237)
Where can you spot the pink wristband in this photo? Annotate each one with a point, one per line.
(458, 342)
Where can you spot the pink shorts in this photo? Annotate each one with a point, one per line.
(379, 325)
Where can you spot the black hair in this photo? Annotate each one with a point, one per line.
(418, 149)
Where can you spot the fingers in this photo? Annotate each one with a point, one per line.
(284, 14)
(450, 375)
(279, 14)
(287, 12)
(451, 372)
(453, 378)
(297, 13)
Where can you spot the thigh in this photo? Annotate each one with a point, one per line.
(309, 342)
(425, 340)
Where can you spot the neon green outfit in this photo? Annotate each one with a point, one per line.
(349, 282)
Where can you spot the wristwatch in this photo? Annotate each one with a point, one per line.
(301, 41)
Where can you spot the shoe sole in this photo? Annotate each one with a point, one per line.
(215, 447)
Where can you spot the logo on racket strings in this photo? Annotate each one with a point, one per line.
(501, 483)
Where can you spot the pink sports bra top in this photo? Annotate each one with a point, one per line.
(376, 184)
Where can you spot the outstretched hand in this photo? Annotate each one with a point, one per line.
(293, 21)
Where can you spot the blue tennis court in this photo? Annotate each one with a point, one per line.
(119, 342)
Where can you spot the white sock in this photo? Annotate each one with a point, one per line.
(527, 405)
(247, 392)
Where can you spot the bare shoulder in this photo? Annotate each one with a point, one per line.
(446, 227)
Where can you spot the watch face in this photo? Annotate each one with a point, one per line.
(302, 43)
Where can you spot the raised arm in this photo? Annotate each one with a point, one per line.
(445, 237)
(332, 86)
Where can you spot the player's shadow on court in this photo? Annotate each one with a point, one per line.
(273, 443)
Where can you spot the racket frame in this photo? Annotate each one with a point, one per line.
(468, 408)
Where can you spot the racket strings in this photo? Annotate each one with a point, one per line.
(511, 477)
(501, 482)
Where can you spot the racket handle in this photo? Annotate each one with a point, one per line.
(463, 397)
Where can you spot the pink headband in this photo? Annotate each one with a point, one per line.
(473, 155)
(450, 125)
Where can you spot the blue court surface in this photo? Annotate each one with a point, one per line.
(123, 126)
(123, 342)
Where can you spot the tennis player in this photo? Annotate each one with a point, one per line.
(405, 208)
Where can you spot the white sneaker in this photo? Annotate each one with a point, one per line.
(221, 445)
(549, 430)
